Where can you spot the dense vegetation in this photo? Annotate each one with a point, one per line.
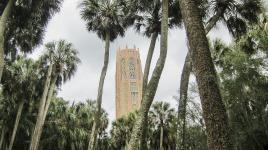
(226, 108)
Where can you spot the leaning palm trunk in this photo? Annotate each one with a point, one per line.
(215, 116)
(185, 77)
(48, 100)
(20, 108)
(144, 85)
(153, 84)
(93, 136)
(3, 21)
(34, 139)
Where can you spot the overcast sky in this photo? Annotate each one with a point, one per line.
(67, 24)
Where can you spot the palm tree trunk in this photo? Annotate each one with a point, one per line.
(185, 77)
(3, 22)
(143, 139)
(34, 139)
(93, 136)
(48, 100)
(148, 62)
(187, 68)
(153, 84)
(215, 116)
(143, 145)
(49, 97)
(161, 137)
(20, 108)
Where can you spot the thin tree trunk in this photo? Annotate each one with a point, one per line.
(48, 100)
(215, 116)
(3, 132)
(3, 22)
(93, 136)
(20, 108)
(153, 84)
(161, 137)
(143, 142)
(187, 68)
(148, 62)
(34, 140)
(185, 77)
(49, 97)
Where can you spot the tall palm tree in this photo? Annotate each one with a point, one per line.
(153, 83)
(215, 116)
(148, 22)
(235, 14)
(18, 82)
(61, 59)
(107, 19)
(161, 114)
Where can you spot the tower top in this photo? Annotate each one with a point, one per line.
(128, 49)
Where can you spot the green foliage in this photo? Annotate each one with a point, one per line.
(236, 14)
(21, 83)
(64, 58)
(27, 23)
(104, 17)
(161, 112)
(162, 116)
(67, 126)
(147, 15)
(121, 131)
(242, 71)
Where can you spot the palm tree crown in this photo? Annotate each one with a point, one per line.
(64, 58)
(104, 16)
(19, 79)
(27, 23)
(149, 14)
(161, 112)
(236, 14)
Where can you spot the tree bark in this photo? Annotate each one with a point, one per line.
(148, 62)
(34, 140)
(150, 53)
(153, 84)
(185, 77)
(186, 71)
(93, 136)
(215, 116)
(48, 100)
(161, 137)
(20, 108)
(3, 22)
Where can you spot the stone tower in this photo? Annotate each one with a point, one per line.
(128, 81)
